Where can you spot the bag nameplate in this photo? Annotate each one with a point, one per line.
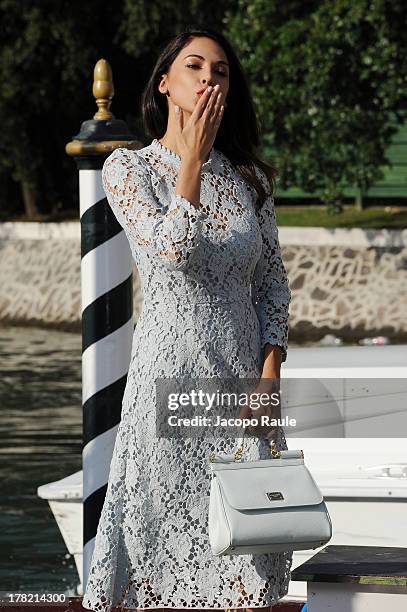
(272, 495)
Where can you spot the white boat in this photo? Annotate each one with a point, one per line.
(363, 479)
(65, 500)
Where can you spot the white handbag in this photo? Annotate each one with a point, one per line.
(265, 506)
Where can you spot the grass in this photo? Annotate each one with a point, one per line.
(374, 217)
(396, 580)
(302, 215)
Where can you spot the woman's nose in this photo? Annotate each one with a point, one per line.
(210, 78)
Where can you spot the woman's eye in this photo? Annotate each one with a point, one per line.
(196, 66)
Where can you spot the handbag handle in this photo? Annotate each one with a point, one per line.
(284, 454)
(239, 451)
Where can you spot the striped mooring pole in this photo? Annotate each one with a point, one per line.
(106, 302)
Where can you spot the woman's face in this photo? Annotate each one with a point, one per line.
(199, 64)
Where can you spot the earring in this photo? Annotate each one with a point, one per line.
(167, 93)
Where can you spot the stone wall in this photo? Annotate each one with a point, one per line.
(349, 282)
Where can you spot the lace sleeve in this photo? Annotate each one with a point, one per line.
(270, 290)
(168, 231)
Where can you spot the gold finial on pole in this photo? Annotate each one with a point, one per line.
(99, 136)
(103, 89)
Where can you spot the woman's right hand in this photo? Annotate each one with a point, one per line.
(195, 139)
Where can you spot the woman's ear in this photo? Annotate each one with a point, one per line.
(162, 87)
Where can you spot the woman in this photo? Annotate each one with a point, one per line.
(199, 216)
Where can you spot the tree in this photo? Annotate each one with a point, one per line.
(327, 84)
(48, 51)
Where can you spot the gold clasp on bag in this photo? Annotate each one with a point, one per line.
(274, 450)
(239, 453)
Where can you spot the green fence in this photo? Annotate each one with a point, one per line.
(392, 185)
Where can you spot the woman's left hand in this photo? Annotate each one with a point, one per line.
(264, 401)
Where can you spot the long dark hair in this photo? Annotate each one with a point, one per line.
(238, 134)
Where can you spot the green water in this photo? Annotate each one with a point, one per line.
(41, 441)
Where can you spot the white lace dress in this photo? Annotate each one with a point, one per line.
(215, 292)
